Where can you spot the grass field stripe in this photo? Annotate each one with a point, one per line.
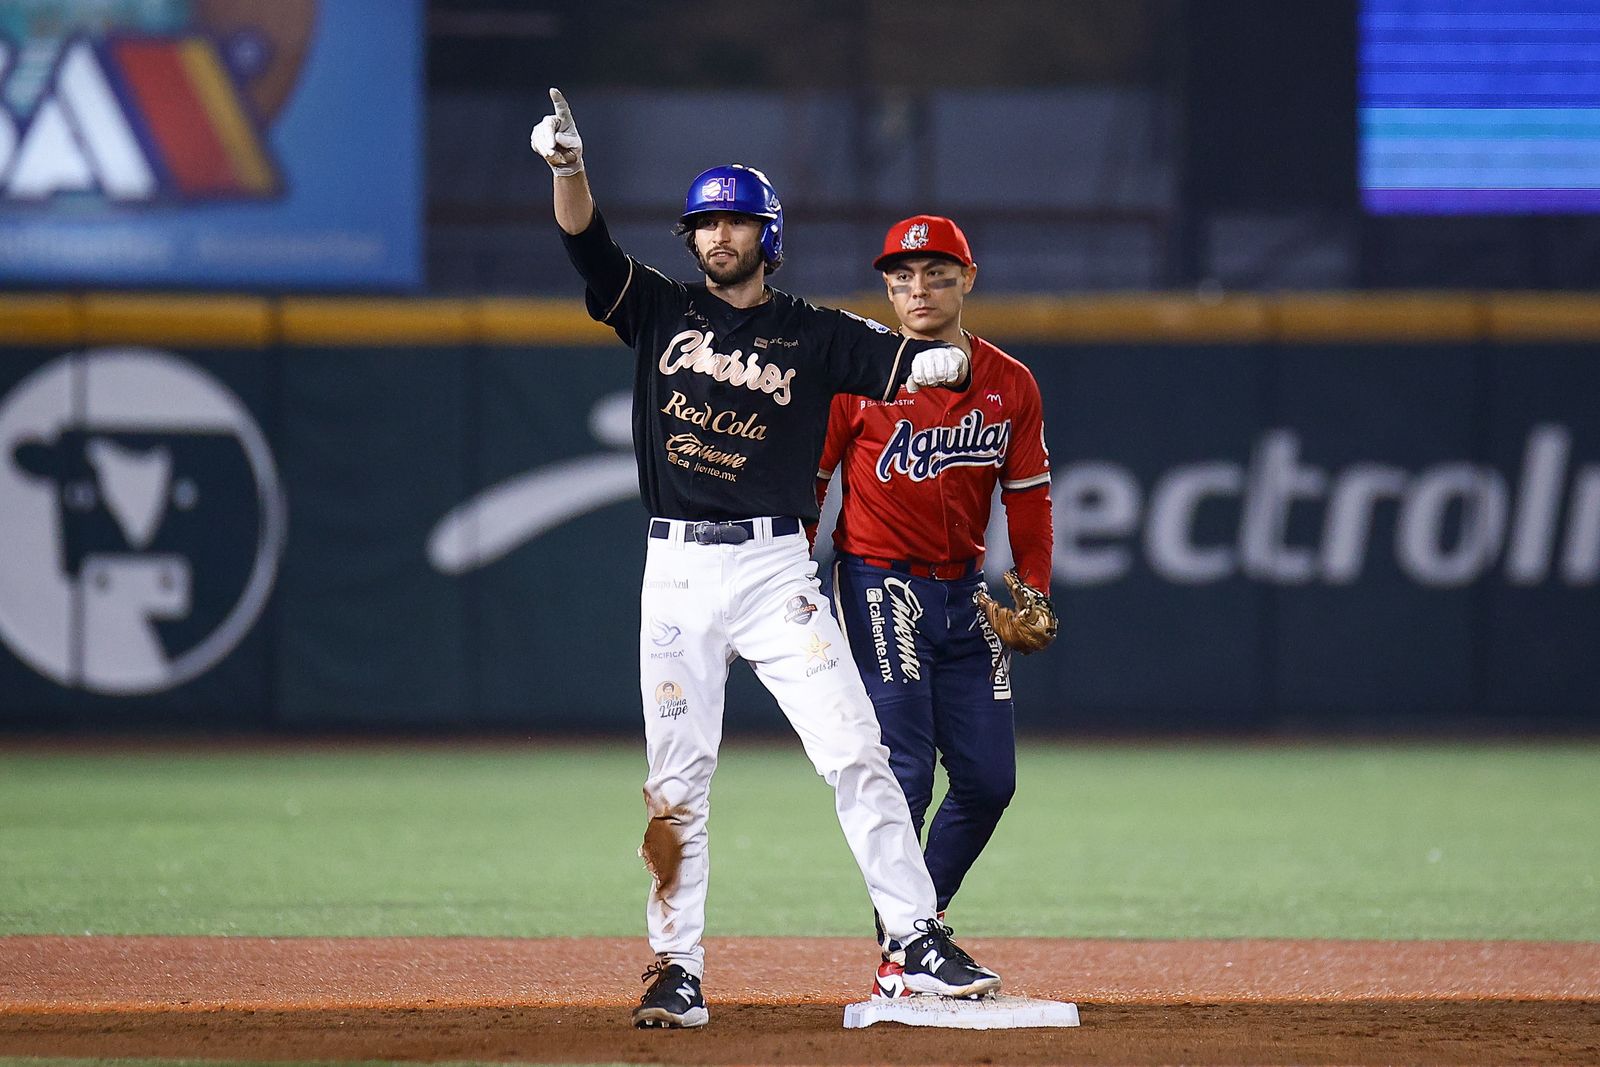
(160, 838)
(177, 120)
(220, 97)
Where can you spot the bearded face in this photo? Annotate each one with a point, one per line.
(726, 272)
(728, 247)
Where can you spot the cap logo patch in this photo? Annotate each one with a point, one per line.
(717, 189)
(916, 236)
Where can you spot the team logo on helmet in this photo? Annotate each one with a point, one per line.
(916, 236)
(717, 189)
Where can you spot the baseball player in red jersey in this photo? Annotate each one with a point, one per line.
(732, 382)
(918, 473)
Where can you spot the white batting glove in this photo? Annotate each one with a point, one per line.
(944, 365)
(556, 138)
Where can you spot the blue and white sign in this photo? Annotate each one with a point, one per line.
(211, 143)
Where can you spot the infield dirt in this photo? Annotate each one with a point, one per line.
(779, 1001)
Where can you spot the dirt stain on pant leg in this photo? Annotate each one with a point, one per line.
(662, 850)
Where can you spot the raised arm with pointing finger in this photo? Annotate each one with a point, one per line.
(556, 139)
(732, 385)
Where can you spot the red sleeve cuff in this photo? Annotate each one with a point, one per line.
(1032, 534)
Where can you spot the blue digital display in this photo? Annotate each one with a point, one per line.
(1480, 106)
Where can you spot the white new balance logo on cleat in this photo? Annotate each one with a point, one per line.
(686, 991)
(932, 961)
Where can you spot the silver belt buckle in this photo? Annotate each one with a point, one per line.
(719, 533)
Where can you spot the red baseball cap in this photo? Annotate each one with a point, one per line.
(924, 235)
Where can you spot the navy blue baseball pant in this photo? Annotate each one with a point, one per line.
(941, 683)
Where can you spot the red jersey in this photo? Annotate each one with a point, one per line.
(920, 469)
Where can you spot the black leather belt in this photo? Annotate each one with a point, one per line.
(723, 533)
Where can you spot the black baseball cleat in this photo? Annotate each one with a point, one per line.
(673, 999)
(935, 964)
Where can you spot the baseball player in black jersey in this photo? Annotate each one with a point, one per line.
(732, 385)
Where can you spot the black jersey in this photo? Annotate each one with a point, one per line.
(730, 405)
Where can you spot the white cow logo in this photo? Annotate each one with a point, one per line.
(143, 521)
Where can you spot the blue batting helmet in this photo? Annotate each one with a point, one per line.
(743, 189)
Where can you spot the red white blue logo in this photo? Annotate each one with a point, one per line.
(922, 454)
(159, 101)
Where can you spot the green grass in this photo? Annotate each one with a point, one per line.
(1102, 841)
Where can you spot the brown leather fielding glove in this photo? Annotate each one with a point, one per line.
(1028, 627)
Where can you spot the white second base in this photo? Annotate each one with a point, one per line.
(990, 1013)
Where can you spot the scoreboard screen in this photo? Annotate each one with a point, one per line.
(1480, 107)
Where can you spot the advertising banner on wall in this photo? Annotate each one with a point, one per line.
(143, 517)
(1247, 539)
(201, 143)
(1371, 537)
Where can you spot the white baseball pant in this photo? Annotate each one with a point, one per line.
(703, 605)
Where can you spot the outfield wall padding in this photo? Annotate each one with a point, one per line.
(1262, 523)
